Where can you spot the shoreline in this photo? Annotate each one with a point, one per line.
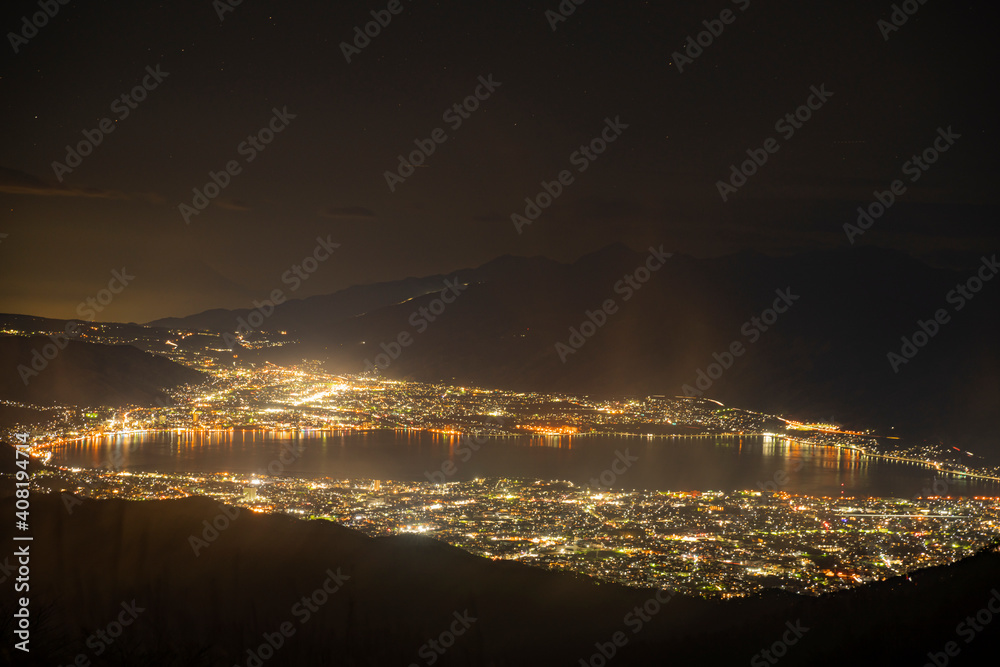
(49, 446)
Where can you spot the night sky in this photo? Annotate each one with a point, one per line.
(324, 172)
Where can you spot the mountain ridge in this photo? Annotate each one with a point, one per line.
(38, 371)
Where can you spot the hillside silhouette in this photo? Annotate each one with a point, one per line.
(89, 558)
(86, 374)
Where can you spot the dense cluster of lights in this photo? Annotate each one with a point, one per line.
(704, 543)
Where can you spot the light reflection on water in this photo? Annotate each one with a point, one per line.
(665, 463)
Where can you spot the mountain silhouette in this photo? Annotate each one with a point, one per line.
(827, 354)
(85, 374)
(203, 584)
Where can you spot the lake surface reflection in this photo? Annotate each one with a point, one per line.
(702, 463)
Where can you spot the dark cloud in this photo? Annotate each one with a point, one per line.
(19, 183)
(16, 182)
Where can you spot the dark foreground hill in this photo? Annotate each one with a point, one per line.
(125, 583)
(34, 370)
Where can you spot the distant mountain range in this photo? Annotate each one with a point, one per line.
(194, 583)
(825, 357)
(312, 313)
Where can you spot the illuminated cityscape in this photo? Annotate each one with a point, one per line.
(604, 334)
(706, 543)
(305, 396)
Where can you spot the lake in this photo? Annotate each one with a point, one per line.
(722, 463)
